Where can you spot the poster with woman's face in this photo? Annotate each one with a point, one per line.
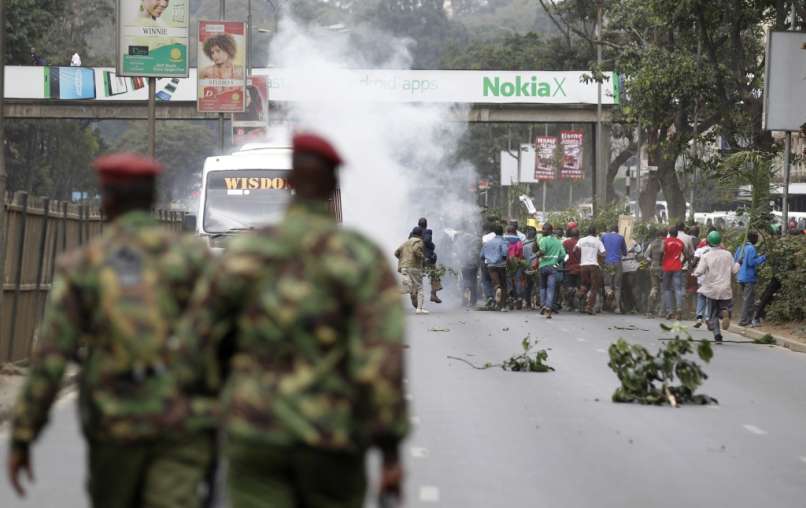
(153, 38)
(252, 124)
(221, 60)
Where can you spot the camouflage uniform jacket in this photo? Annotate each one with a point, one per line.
(112, 309)
(411, 254)
(307, 319)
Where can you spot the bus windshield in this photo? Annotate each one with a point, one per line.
(244, 199)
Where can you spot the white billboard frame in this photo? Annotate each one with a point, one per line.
(158, 31)
(785, 81)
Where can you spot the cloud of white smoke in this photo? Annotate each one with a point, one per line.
(400, 156)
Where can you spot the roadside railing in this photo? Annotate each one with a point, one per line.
(37, 230)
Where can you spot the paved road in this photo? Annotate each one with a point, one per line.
(492, 439)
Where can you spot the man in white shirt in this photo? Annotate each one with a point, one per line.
(702, 309)
(716, 269)
(591, 249)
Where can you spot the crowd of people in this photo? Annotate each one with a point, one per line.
(552, 269)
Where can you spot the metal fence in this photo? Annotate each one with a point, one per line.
(36, 231)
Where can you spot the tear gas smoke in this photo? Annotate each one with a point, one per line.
(399, 157)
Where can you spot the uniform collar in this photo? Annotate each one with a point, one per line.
(135, 219)
(308, 206)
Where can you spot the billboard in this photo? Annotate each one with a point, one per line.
(785, 82)
(545, 160)
(571, 142)
(384, 85)
(152, 38)
(69, 83)
(221, 67)
(252, 124)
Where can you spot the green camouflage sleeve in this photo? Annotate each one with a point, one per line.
(58, 343)
(186, 263)
(377, 351)
(210, 318)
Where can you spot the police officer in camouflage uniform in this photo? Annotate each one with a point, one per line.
(307, 319)
(145, 408)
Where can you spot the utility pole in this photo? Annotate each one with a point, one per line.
(222, 11)
(2, 151)
(152, 118)
(787, 150)
(638, 174)
(249, 57)
(598, 148)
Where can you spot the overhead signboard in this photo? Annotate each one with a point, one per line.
(221, 76)
(152, 38)
(785, 82)
(252, 125)
(448, 87)
(545, 167)
(572, 144)
(69, 83)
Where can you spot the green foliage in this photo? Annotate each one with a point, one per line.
(751, 168)
(765, 339)
(32, 24)
(649, 379)
(529, 360)
(51, 157)
(786, 259)
(606, 217)
(181, 146)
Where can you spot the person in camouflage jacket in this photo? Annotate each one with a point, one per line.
(146, 408)
(307, 320)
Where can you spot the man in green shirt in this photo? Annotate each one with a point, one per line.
(551, 255)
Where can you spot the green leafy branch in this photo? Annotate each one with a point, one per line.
(527, 361)
(649, 379)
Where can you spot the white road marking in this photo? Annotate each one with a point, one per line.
(429, 494)
(580, 339)
(409, 397)
(754, 430)
(564, 330)
(600, 350)
(803, 459)
(414, 420)
(419, 452)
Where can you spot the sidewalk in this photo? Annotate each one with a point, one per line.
(791, 336)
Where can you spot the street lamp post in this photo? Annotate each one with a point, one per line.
(249, 56)
(598, 148)
(222, 11)
(2, 151)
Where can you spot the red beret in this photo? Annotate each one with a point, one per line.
(120, 166)
(311, 143)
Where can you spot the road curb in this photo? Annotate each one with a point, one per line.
(755, 334)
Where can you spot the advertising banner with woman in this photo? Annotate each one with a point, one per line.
(545, 158)
(571, 142)
(152, 38)
(221, 75)
(251, 125)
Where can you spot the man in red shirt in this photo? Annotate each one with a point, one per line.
(672, 283)
(571, 281)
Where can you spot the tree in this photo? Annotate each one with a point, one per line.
(31, 24)
(693, 72)
(51, 157)
(422, 21)
(182, 147)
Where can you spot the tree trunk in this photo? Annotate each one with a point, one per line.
(672, 191)
(648, 196)
(612, 171)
